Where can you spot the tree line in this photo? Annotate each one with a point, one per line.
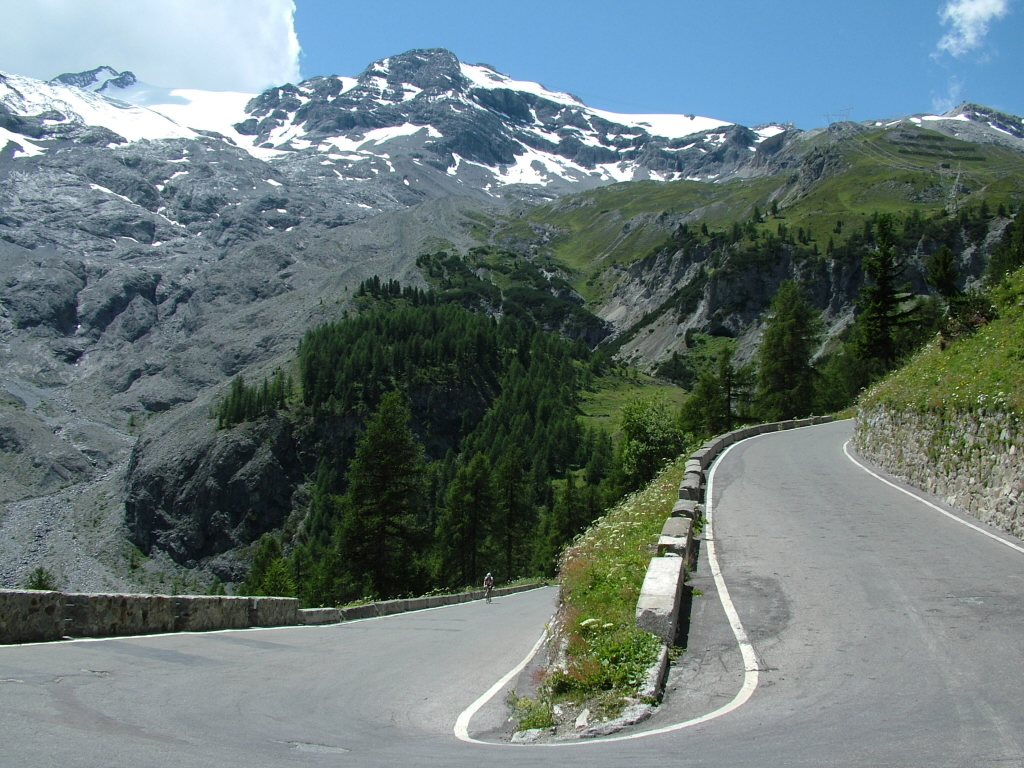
(425, 496)
(787, 380)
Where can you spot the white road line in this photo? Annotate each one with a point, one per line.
(462, 724)
(936, 507)
(750, 665)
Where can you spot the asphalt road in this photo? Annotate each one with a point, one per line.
(884, 634)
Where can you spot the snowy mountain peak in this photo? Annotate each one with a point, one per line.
(42, 111)
(432, 70)
(998, 121)
(99, 80)
(424, 108)
(455, 116)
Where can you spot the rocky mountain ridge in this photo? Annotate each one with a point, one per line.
(146, 260)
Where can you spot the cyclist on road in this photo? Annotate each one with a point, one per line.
(488, 586)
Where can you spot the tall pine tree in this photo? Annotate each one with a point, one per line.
(380, 534)
(785, 378)
(465, 525)
(883, 299)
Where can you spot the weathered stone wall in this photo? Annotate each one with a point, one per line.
(29, 616)
(972, 460)
(88, 615)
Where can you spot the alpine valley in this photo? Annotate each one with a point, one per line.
(157, 243)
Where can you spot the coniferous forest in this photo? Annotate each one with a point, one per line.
(467, 454)
(446, 420)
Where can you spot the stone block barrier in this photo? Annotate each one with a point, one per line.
(319, 616)
(690, 489)
(686, 508)
(676, 539)
(197, 613)
(273, 611)
(29, 616)
(657, 610)
(87, 615)
(692, 486)
(391, 607)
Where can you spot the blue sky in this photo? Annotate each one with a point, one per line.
(747, 62)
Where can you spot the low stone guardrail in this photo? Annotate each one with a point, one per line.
(389, 607)
(657, 610)
(28, 616)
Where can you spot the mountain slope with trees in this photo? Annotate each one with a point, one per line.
(149, 289)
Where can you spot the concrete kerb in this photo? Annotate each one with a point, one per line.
(658, 606)
(657, 610)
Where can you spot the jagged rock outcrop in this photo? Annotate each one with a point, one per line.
(215, 490)
(99, 79)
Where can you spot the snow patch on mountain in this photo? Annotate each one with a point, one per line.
(767, 131)
(60, 103)
(206, 110)
(484, 76)
(22, 147)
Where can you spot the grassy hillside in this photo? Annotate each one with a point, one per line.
(828, 185)
(601, 406)
(984, 371)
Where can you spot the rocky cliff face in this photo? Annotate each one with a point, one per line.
(675, 290)
(207, 492)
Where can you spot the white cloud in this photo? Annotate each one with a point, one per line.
(953, 97)
(969, 20)
(232, 45)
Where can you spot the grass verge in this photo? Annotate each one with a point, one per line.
(599, 658)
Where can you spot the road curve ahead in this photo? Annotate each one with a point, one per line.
(376, 692)
(885, 633)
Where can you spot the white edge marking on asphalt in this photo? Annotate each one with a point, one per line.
(936, 507)
(462, 724)
(750, 665)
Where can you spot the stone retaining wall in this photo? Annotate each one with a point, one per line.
(975, 461)
(28, 616)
